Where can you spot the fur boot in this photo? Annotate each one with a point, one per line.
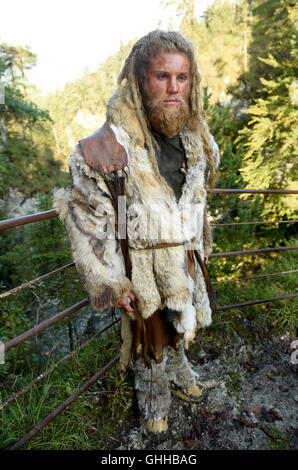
(154, 398)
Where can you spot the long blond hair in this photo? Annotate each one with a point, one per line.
(134, 72)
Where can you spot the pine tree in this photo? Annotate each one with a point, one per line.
(80, 108)
(270, 139)
(26, 163)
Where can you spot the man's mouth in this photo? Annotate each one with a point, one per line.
(173, 100)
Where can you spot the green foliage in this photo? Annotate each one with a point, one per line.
(18, 110)
(28, 252)
(28, 167)
(26, 162)
(220, 41)
(80, 108)
(278, 439)
(229, 208)
(34, 249)
(273, 33)
(14, 62)
(271, 136)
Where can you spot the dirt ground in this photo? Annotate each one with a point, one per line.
(253, 406)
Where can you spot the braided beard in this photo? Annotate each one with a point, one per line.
(166, 121)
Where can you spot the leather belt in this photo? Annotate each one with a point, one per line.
(162, 245)
(159, 245)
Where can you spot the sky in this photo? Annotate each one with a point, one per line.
(69, 36)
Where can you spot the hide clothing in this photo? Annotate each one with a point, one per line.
(163, 214)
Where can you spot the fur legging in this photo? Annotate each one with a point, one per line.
(153, 387)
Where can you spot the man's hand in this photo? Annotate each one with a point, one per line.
(206, 259)
(124, 302)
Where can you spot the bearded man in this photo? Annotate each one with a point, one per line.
(145, 172)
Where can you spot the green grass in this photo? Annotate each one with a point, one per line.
(89, 422)
(278, 440)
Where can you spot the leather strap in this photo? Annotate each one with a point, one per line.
(209, 287)
(116, 187)
(102, 152)
(161, 245)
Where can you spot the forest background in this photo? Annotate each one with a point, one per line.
(247, 56)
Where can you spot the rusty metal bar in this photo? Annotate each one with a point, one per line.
(254, 302)
(254, 277)
(63, 405)
(252, 191)
(43, 325)
(53, 367)
(27, 219)
(255, 223)
(34, 281)
(247, 252)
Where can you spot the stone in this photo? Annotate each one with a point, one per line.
(234, 418)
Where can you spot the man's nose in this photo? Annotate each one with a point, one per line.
(172, 85)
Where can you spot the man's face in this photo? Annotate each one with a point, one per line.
(166, 92)
(168, 79)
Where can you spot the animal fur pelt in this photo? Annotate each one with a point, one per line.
(159, 277)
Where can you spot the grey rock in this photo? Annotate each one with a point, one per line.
(16, 204)
(246, 406)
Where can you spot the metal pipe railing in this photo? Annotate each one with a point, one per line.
(36, 429)
(252, 191)
(37, 279)
(27, 219)
(46, 323)
(70, 265)
(248, 278)
(249, 252)
(43, 325)
(54, 366)
(255, 302)
(258, 222)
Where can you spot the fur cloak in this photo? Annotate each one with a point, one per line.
(159, 276)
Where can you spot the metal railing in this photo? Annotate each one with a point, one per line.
(18, 221)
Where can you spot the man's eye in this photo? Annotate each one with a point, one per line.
(162, 76)
(182, 78)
